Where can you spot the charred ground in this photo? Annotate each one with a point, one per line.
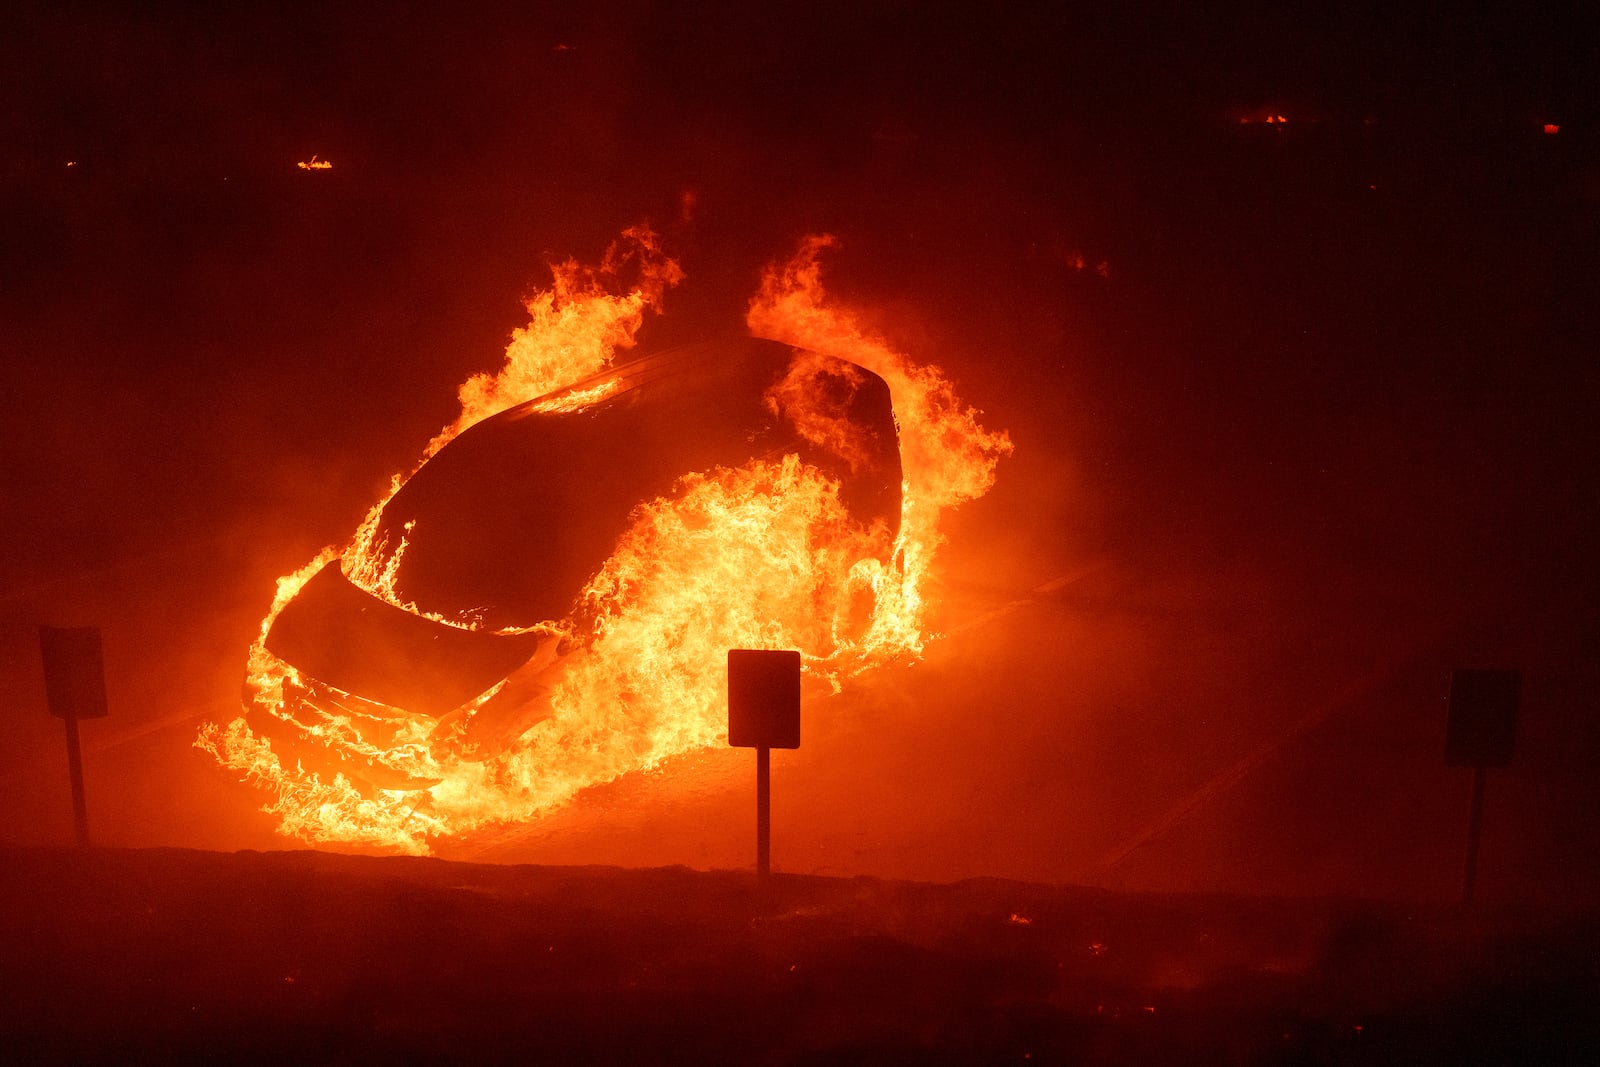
(172, 955)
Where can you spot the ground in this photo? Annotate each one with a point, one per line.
(168, 955)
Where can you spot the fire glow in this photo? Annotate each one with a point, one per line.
(631, 675)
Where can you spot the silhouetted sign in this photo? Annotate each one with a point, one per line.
(763, 699)
(74, 677)
(1482, 720)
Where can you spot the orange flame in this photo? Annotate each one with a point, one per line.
(652, 626)
(949, 458)
(575, 328)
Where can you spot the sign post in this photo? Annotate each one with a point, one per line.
(763, 714)
(1480, 729)
(75, 688)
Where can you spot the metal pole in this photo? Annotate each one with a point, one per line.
(763, 814)
(1469, 876)
(80, 809)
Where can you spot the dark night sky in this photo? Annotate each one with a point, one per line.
(1324, 432)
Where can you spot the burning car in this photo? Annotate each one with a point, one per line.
(546, 602)
(465, 600)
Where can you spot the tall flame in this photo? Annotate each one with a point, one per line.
(652, 625)
(948, 457)
(574, 330)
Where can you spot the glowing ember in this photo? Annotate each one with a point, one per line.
(820, 539)
(314, 164)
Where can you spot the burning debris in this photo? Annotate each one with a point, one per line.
(543, 604)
